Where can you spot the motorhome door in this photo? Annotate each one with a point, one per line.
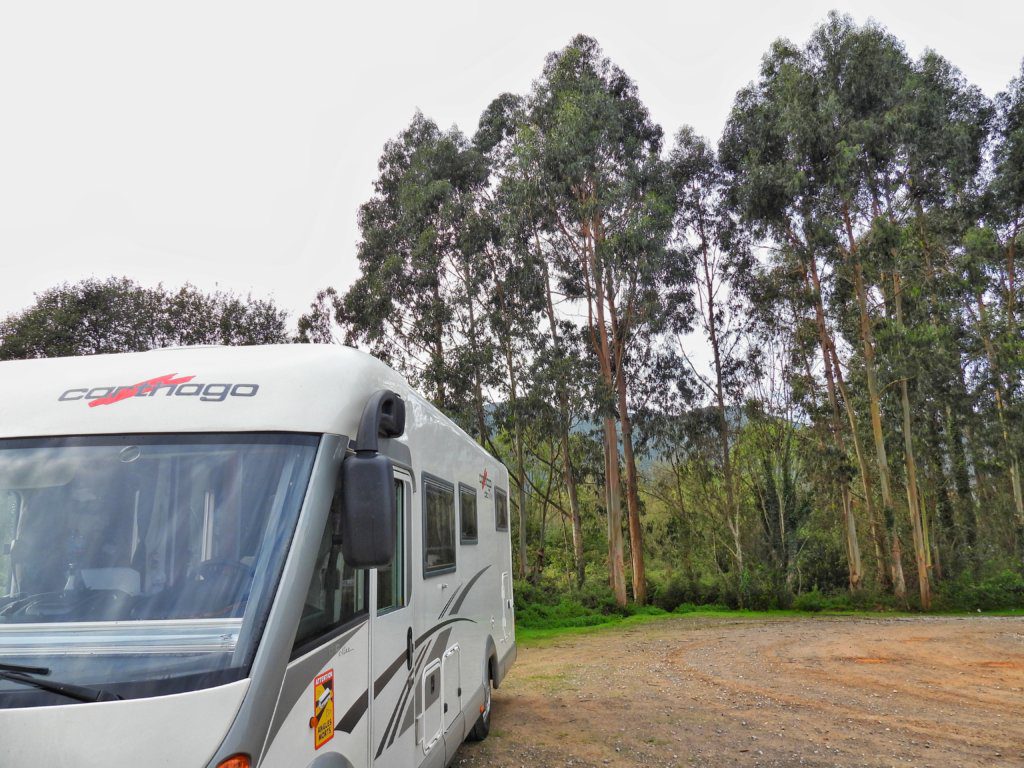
(393, 656)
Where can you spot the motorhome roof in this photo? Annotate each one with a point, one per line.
(293, 388)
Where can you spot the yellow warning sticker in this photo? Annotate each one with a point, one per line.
(323, 708)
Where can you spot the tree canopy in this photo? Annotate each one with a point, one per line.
(95, 317)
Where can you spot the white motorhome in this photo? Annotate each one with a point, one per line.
(232, 557)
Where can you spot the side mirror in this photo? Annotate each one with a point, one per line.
(368, 520)
(368, 486)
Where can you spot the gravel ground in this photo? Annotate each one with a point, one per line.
(790, 692)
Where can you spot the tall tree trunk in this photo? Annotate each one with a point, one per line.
(574, 510)
(520, 468)
(943, 493)
(613, 503)
(854, 566)
(710, 321)
(540, 560)
(438, 353)
(478, 391)
(921, 554)
(563, 406)
(874, 404)
(521, 482)
(946, 498)
(613, 484)
(962, 477)
(1011, 322)
(636, 539)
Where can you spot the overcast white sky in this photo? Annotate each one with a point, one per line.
(230, 144)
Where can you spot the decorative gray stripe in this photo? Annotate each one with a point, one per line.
(354, 715)
(450, 599)
(465, 592)
(385, 677)
(426, 635)
(299, 676)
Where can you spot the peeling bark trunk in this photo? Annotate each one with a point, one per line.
(854, 565)
(636, 539)
(874, 400)
(921, 549)
(613, 483)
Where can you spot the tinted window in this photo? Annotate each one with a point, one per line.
(337, 592)
(500, 510)
(467, 514)
(391, 578)
(438, 527)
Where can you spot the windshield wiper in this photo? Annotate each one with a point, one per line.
(76, 692)
(22, 668)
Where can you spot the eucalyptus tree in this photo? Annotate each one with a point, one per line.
(606, 210)
(418, 300)
(861, 74)
(780, 152)
(1005, 342)
(878, 155)
(943, 124)
(515, 206)
(707, 234)
(511, 313)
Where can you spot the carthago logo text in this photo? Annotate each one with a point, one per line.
(168, 385)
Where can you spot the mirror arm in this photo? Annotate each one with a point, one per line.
(383, 416)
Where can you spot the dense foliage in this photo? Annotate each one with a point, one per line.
(95, 317)
(780, 369)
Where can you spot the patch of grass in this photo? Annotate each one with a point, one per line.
(544, 614)
(528, 637)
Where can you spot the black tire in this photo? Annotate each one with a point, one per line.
(483, 723)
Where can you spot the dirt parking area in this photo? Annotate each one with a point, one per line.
(789, 692)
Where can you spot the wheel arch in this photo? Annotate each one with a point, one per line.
(330, 760)
(491, 662)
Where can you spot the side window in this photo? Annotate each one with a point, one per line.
(438, 526)
(467, 514)
(391, 578)
(337, 593)
(500, 510)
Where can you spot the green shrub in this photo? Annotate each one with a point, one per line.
(669, 594)
(600, 598)
(815, 601)
(1003, 590)
(674, 590)
(812, 602)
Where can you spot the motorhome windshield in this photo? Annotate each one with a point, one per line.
(142, 564)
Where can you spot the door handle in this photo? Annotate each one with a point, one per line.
(408, 648)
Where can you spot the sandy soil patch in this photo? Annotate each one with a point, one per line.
(789, 692)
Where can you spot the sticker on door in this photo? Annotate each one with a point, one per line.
(323, 708)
